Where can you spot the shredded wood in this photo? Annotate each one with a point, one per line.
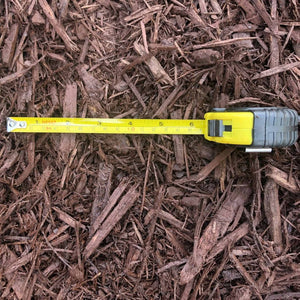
(215, 229)
(149, 216)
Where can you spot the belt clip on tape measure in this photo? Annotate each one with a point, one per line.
(255, 129)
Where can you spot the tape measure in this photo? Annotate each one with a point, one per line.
(105, 126)
(256, 129)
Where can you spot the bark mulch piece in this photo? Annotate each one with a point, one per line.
(146, 217)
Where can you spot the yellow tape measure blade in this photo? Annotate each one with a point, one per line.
(109, 126)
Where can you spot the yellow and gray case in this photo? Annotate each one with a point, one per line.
(257, 129)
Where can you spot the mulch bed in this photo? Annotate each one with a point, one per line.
(146, 217)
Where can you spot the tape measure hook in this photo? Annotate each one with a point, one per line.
(13, 124)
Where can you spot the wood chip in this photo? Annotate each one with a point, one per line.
(195, 18)
(174, 95)
(215, 44)
(262, 11)
(276, 70)
(166, 217)
(57, 26)
(102, 194)
(157, 207)
(216, 6)
(68, 219)
(245, 274)
(32, 160)
(94, 88)
(43, 180)
(37, 19)
(135, 91)
(206, 170)
(17, 280)
(63, 9)
(243, 43)
(9, 47)
(205, 57)
(68, 140)
(228, 240)
(24, 95)
(214, 230)
(119, 211)
(139, 14)
(110, 204)
(251, 12)
(155, 67)
(272, 212)
(9, 78)
(282, 179)
(9, 162)
(18, 263)
(93, 85)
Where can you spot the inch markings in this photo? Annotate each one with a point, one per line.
(108, 126)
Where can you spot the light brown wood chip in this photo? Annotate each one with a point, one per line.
(32, 160)
(140, 14)
(68, 219)
(57, 26)
(218, 43)
(10, 45)
(9, 162)
(101, 198)
(272, 212)
(216, 228)
(154, 65)
(119, 211)
(245, 274)
(276, 70)
(206, 170)
(282, 179)
(228, 240)
(241, 293)
(11, 77)
(44, 179)
(68, 140)
(110, 204)
(16, 280)
(251, 13)
(166, 103)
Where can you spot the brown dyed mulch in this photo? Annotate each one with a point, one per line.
(146, 217)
